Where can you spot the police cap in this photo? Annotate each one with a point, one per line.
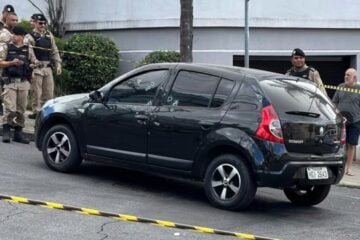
(298, 52)
(34, 16)
(19, 30)
(8, 8)
(40, 17)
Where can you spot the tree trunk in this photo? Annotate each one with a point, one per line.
(186, 30)
(56, 12)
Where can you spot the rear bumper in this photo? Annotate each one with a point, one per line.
(293, 171)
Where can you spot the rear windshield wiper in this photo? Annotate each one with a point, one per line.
(307, 114)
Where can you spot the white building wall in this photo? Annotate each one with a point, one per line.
(326, 27)
(114, 14)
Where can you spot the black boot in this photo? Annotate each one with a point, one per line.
(19, 136)
(6, 133)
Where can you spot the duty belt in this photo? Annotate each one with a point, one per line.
(8, 80)
(44, 65)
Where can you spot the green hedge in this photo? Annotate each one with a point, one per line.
(98, 65)
(61, 82)
(26, 25)
(160, 57)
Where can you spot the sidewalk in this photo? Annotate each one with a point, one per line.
(347, 181)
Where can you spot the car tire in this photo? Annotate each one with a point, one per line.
(229, 183)
(60, 149)
(307, 196)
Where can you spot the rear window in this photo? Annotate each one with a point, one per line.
(290, 95)
(222, 93)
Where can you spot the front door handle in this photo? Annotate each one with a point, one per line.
(141, 119)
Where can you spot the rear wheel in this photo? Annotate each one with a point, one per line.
(228, 183)
(307, 195)
(60, 149)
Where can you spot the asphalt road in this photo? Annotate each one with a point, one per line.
(23, 173)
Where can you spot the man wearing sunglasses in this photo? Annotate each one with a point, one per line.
(300, 69)
(47, 53)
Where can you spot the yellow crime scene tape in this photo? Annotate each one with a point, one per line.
(343, 89)
(131, 218)
(84, 54)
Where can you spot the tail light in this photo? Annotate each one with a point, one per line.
(270, 127)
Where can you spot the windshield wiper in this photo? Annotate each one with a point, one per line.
(307, 114)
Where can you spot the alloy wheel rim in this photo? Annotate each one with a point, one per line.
(226, 182)
(58, 147)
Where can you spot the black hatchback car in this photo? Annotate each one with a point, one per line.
(235, 129)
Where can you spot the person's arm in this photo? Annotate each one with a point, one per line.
(55, 56)
(5, 36)
(315, 77)
(3, 55)
(32, 57)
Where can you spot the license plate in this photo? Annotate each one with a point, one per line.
(317, 173)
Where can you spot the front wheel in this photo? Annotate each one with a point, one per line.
(307, 195)
(60, 149)
(229, 183)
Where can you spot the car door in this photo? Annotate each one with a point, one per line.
(118, 128)
(189, 111)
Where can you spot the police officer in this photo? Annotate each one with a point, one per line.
(6, 10)
(46, 52)
(300, 69)
(16, 59)
(32, 20)
(11, 21)
(5, 37)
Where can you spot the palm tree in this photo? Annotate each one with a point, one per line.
(186, 30)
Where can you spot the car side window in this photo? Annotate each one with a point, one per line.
(192, 89)
(222, 93)
(140, 89)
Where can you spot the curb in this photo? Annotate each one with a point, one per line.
(349, 185)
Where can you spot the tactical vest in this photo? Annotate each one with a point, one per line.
(22, 53)
(42, 42)
(302, 74)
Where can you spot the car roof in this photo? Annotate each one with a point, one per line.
(225, 71)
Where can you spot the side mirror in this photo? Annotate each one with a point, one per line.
(96, 96)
